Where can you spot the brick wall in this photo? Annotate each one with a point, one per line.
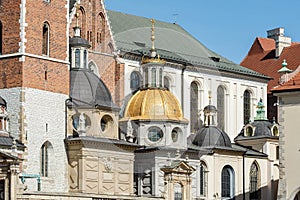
(10, 23)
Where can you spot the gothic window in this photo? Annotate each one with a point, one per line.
(77, 58)
(1, 35)
(100, 28)
(194, 98)
(254, 182)
(45, 153)
(203, 179)
(227, 181)
(135, 80)
(46, 39)
(166, 83)
(221, 107)
(246, 106)
(82, 23)
(92, 66)
(153, 74)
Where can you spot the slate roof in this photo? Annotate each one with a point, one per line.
(132, 35)
(7, 142)
(89, 91)
(263, 129)
(261, 58)
(211, 136)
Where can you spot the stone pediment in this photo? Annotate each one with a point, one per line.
(178, 167)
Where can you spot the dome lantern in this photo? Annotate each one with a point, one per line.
(153, 65)
(79, 46)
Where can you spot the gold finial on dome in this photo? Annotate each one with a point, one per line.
(209, 97)
(152, 35)
(154, 57)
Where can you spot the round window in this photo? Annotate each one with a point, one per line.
(80, 121)
(105, 122)
(155, 134)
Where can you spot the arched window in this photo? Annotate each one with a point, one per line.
(1, 35)
(92, 66)
(77, 58)
(247, 112)
(194, 98)
(254, 181)
(85, 59)
(203, 179)
(82, 22)
(153, 74)
(100, 28)
(160, 77)
(45, 153)
(46, 39)
(221, 107)
(135, 80)
(228, 184)
(166, 83)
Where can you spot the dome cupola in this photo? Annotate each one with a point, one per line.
(210, 135)
(79, 47)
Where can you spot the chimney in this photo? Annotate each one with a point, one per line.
(281, 41)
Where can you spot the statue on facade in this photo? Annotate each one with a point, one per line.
(129, 133)
(81, 124)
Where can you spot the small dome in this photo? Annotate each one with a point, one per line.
(153, 104)
(211, 136)
(210, 108)
(88, 90)
(258, 129)
(79, 41)
(3, 102)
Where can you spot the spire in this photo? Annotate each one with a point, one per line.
(154, 57)
(260, 112)
(152, 35)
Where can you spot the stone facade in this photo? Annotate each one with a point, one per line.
(289, 107)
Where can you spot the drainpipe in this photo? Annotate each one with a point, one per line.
(244, 194)
(66, 117)
(182, 89)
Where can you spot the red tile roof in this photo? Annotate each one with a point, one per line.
(293, 84)
(261, 58)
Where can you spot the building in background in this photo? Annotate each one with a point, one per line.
(106, 105)
(288, 109)
(267, 56)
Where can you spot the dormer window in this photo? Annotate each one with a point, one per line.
(249, 131)
(275, 131)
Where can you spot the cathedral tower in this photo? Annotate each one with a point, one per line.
(34, 79)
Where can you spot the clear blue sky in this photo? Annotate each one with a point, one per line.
(226, 27)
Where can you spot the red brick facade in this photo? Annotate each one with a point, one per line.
(34, 70)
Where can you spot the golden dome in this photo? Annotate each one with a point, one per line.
(153, 104)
